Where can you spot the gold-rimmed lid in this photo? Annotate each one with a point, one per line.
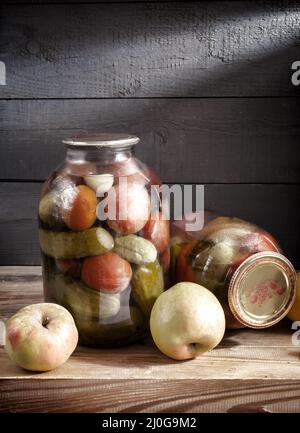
(262, 289)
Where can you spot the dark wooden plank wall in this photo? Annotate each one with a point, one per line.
(207, 86)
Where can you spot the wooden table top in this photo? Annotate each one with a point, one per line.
(250, 371)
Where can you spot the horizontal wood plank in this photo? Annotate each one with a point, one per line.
(274, 207)
(144, 49)
(178, 396)
(250, 371)
(184, 140)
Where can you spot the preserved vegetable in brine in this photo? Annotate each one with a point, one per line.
(242, 265)
(105, 256)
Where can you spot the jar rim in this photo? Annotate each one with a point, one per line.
(102, 139)
(237, 286)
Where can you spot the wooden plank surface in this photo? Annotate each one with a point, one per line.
(145, 50)
(250, 371)
(274, 207)
(184, 140)
(205, 396)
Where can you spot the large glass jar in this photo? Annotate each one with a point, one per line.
(241, 264)
(104, 242)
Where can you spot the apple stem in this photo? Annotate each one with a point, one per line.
(45, 322)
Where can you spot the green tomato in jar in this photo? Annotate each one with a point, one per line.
(49, 211)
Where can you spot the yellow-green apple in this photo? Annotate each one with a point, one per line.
(186, 321)
(41, 337)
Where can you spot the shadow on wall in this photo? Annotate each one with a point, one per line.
(230, 55)
(150, 49)
(156, 50)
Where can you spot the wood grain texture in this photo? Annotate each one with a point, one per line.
(184, 140)
(250, 371)
(274, 207)
(177, 396)
(144, 49)
(232, 360)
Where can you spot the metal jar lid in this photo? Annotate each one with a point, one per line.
(262, 289)
(102, 139)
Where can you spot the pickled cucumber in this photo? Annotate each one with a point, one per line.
(211, 262)
(73, 245)
(75, 296)
(94, 333)
(135, 249)
(81, 300)
(147, 285)
(109, 305)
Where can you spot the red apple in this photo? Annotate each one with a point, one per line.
(41, 337)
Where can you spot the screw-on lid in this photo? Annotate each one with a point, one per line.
(102, 139)
(262, 289)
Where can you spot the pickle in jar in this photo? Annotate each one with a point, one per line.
(74, 245)
(75, 295)
(81, 300)
(135, 249)
(94, 333)
(82, 269)
(213, 259)
(147, 285)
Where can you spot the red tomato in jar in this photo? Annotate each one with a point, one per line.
(165, 259)
(259, 241)
(107, 272)
(184, 268)
(157, 230)
(255, 242)
(131, 202)
(80, 205)
(70, 267)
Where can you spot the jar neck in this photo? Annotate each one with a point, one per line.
(103, 155)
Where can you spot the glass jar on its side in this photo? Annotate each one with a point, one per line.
(105, 254)
(242, 265)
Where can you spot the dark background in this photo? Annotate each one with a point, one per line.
(207, 87)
